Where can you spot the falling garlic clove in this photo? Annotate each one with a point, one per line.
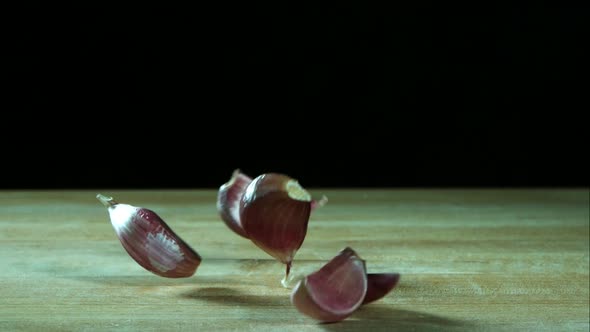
(229, 196)
(150, 241)
(274, 212)
(335, 291)
(379, 285)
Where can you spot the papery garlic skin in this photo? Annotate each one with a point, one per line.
(229, 196)
(150, 241)
(335, 291)
(274, 213)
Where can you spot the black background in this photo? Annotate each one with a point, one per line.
(419, 94)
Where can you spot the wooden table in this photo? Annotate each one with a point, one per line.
(471, 260)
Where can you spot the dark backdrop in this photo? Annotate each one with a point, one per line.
(416, 94)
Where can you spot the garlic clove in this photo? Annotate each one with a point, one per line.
(228, 201)
(379, 285)
(274, 212)
(150, 241)
(335, 291)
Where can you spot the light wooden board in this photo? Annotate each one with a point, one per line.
(471, 260)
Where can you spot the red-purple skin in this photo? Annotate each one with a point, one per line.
(135, 239)
(379, 285)
(229, 196)
(275, 222)
(335, 291)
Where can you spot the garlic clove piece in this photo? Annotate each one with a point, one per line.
(150, 241)
(335, 291)
(379, 285)
(274, 212)
(229, 196)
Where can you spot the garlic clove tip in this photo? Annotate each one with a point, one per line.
(105, 200)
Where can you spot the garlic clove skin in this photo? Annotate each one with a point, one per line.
(274, 213)
(379, 285)
(229, 196)
(150, 241)
(335, 291)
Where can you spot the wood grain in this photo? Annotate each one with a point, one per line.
(471, 260)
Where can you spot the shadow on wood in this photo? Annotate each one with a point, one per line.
(152, 280)
(231, 296)
(375, 317)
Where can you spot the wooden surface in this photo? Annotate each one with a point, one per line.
(470, 260)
